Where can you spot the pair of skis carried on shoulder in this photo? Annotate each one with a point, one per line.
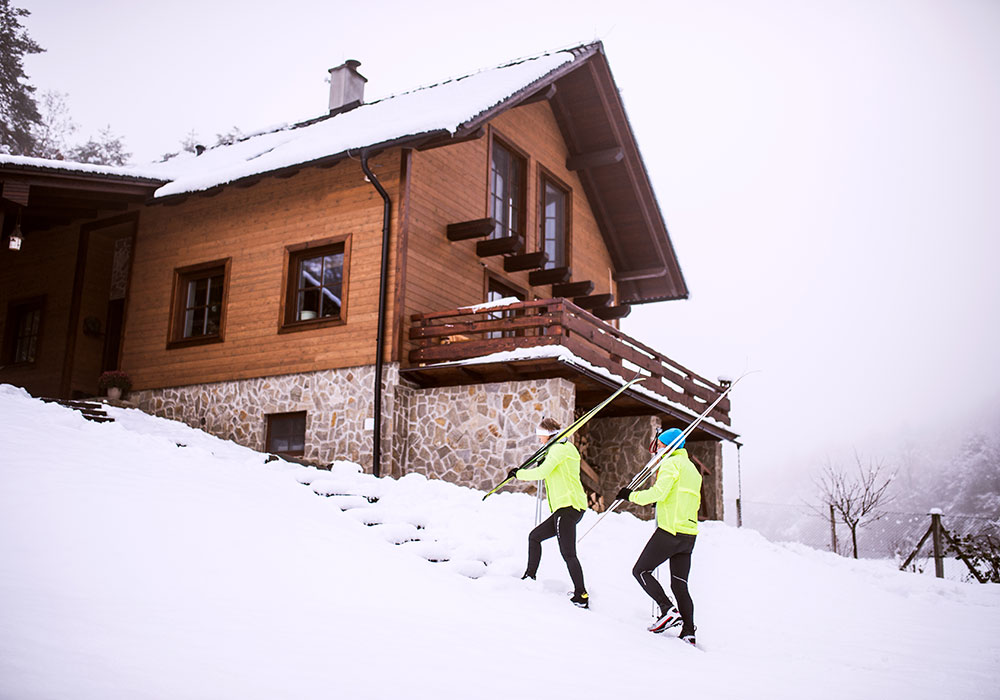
(565, 433)
(654, 461)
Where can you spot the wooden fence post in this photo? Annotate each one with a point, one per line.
(833, 530)
(938, 548)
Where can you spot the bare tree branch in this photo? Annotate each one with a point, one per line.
(856, 499)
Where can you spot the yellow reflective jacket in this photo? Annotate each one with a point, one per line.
(677, 494)
(561, 471)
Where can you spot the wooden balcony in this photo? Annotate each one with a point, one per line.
(445, 338)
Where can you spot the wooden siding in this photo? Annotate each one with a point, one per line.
(44, 266)
(96, 291)
(252, 226)
(449, 185)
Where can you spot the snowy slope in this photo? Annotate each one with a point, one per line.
(132, 567)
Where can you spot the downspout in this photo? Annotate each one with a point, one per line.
(379, 336)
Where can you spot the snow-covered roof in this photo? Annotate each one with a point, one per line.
(443, 107)
(69, 167)
(439, 108)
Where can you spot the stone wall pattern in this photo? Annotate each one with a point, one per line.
(473, 435)
(336, 402)
(618, 448)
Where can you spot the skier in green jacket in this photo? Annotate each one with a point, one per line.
(567, 501)
(677, 494)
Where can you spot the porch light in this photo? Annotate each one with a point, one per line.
(16, 238)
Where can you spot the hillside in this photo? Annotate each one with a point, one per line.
(145, 559)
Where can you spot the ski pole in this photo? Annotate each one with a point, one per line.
(654, 461)
(566, 432)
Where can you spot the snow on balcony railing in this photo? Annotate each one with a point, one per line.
(509, 325)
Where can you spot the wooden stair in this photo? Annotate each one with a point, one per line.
(91, 410)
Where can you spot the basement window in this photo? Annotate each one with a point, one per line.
(199, 304)
(286, 433)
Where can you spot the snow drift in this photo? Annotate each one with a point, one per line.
(146, 559)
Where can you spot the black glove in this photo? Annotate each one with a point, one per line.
(512, 474)
(624, 493)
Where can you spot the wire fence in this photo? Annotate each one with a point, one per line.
(893, 537)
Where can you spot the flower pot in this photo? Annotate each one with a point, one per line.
(114, 393)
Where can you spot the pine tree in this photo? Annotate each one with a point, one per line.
(106, 149)
(18, 110)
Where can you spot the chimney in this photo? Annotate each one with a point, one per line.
(347, 87)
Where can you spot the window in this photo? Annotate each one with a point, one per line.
(286, 433)
(495, 291)
(199, 303)
(552, 222)
(23, 331)
(507, 188)
(315, 288)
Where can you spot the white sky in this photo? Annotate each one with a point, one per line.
(828, 170)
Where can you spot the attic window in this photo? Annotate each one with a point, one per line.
(316, 288)
(553, 228)
(507, 190)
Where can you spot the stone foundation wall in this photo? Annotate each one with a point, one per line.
(473, 435)
(618, 448)
(469, 435)
(336, 402)
(708, 455)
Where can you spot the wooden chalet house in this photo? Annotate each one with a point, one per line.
(472, 243)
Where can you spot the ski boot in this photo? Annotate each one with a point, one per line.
(668, 618)
(580, 600)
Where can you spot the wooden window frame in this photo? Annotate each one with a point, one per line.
(490, 277)
(268, 432)
(16, 309)
(520, 154)
(182, 276)
(287, 323)
(545, 175)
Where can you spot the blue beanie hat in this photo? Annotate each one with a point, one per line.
(668, 436)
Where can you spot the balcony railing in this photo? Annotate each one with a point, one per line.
(460, 334)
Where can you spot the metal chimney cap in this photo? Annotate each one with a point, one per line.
(352, 66)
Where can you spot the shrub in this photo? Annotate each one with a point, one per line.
(116, 378)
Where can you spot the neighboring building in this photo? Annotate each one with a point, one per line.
(485, 233)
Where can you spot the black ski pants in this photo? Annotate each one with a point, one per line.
(677, 548)
(561, 525)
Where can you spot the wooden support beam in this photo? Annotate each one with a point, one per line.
(450, 140)
(594, 301)
(573, 289)
(555, 275)
(610, 313)
(17, 192)
(478, 228)
(643, 274)
(527, 261)
(595, 159)
(499, 246)
(545, 94)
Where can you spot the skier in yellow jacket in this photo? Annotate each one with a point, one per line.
(567, 501)
(677, 494)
